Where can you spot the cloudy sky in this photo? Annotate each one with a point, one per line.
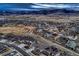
(36, 6)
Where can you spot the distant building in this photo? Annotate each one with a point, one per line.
(75, 29)
(71, 44)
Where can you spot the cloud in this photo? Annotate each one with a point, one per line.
(52, 5)
(38, 6)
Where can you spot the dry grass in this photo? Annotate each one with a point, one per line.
(16, 30)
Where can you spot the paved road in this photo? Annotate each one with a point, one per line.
(47, 42)
(43, 42)
(17, 48)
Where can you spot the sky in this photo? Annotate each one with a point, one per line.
(36, 6)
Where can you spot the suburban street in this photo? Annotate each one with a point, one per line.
(17, 48)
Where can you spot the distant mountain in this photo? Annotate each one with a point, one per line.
(45, 12)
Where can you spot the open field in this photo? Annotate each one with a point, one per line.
(16, 30)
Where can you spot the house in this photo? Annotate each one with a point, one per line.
(71, 44)
(75, 29)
